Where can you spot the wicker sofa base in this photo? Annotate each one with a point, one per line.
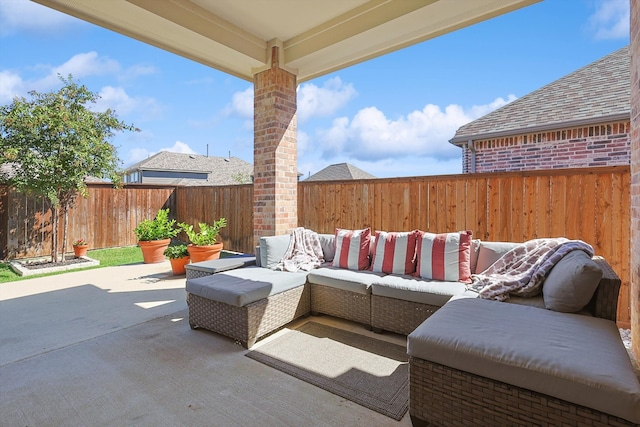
(395, 315)
(443, 396)
(253, 321)
(340, 303)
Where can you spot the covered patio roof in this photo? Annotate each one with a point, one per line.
(317, 37)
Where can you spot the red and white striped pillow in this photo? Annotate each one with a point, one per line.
(352, 249)
(445, 257)
(394, 253)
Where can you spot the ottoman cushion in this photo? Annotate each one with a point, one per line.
(244, 286)
(575, 358)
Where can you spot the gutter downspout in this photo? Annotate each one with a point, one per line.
(472, 149)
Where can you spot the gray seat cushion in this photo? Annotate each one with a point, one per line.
(341, 278)
(410, 288)
(245, 285)
(575, 358)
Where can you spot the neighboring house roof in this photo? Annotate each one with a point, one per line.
(7, 171)
(220, 170)
(599, 91)
(340, 171)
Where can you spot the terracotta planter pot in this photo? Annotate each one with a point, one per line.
(80, 250)
(153, 250)
(177, 265)
(204, 253)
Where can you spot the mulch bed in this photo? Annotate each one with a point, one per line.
(37, 265)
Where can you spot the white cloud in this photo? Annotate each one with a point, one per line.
(179, 147)
(87, 64)
(11, 85)
(80, 66)
(314, 101)
(242, 104)
(611, 19)
(25, 15)
(371, 136)
(138, 154)
(117, 99)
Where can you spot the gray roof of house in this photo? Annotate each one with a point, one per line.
(600, 90)
(340, 171)
(221, 170)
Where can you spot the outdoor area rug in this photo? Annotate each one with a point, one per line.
(364, 370)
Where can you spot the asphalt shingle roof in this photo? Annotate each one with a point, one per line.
(338, 172)
(598, 90)
(221, 170)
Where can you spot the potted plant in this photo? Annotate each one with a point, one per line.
(178, 257)
(80, 247)
(154, 236)
(203, 245)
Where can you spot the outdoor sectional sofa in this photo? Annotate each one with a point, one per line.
(251, 302)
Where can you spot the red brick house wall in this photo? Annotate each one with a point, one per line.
(605, 144)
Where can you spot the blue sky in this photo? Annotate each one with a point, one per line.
(391, 116)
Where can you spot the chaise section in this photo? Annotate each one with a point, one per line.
(248, 303)
(342, 293)
(401, 303)
(505, 364)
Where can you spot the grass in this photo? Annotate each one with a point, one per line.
(107, 258)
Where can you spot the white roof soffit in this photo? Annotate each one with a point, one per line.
(318, 37)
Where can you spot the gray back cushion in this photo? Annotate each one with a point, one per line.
(328, 243)
(490, 252)
(272, 249)
(571, 283)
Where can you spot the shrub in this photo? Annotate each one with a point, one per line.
(158, 228)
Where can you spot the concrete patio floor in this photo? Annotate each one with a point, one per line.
(113, 347)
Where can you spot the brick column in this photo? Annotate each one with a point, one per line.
(275, 188)
(635, 177)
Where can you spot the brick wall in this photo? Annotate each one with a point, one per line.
(275, 207)
(635, 177)
(606, 144)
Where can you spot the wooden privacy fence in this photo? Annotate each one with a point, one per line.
(587, 204)
(106, 218)
(207, 204)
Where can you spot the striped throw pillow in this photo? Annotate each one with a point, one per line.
(394, 253)
(445, 257)
(352, 249)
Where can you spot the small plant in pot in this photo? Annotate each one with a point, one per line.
(203, 245)
(154, 236)
(80, 247)
(178, 257)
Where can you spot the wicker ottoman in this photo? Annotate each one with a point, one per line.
(248, 303)
(486, 363)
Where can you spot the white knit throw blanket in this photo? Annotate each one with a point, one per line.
(522, 270)
(304, 251)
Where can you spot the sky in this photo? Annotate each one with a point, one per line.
(392, 116)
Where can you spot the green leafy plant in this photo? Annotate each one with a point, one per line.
(52, 142)
(79, 242)
(159, 228)
(208, 233)
(177, 251)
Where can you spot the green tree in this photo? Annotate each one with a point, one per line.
(53, 141)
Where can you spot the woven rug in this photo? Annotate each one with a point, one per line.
(364, 370)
